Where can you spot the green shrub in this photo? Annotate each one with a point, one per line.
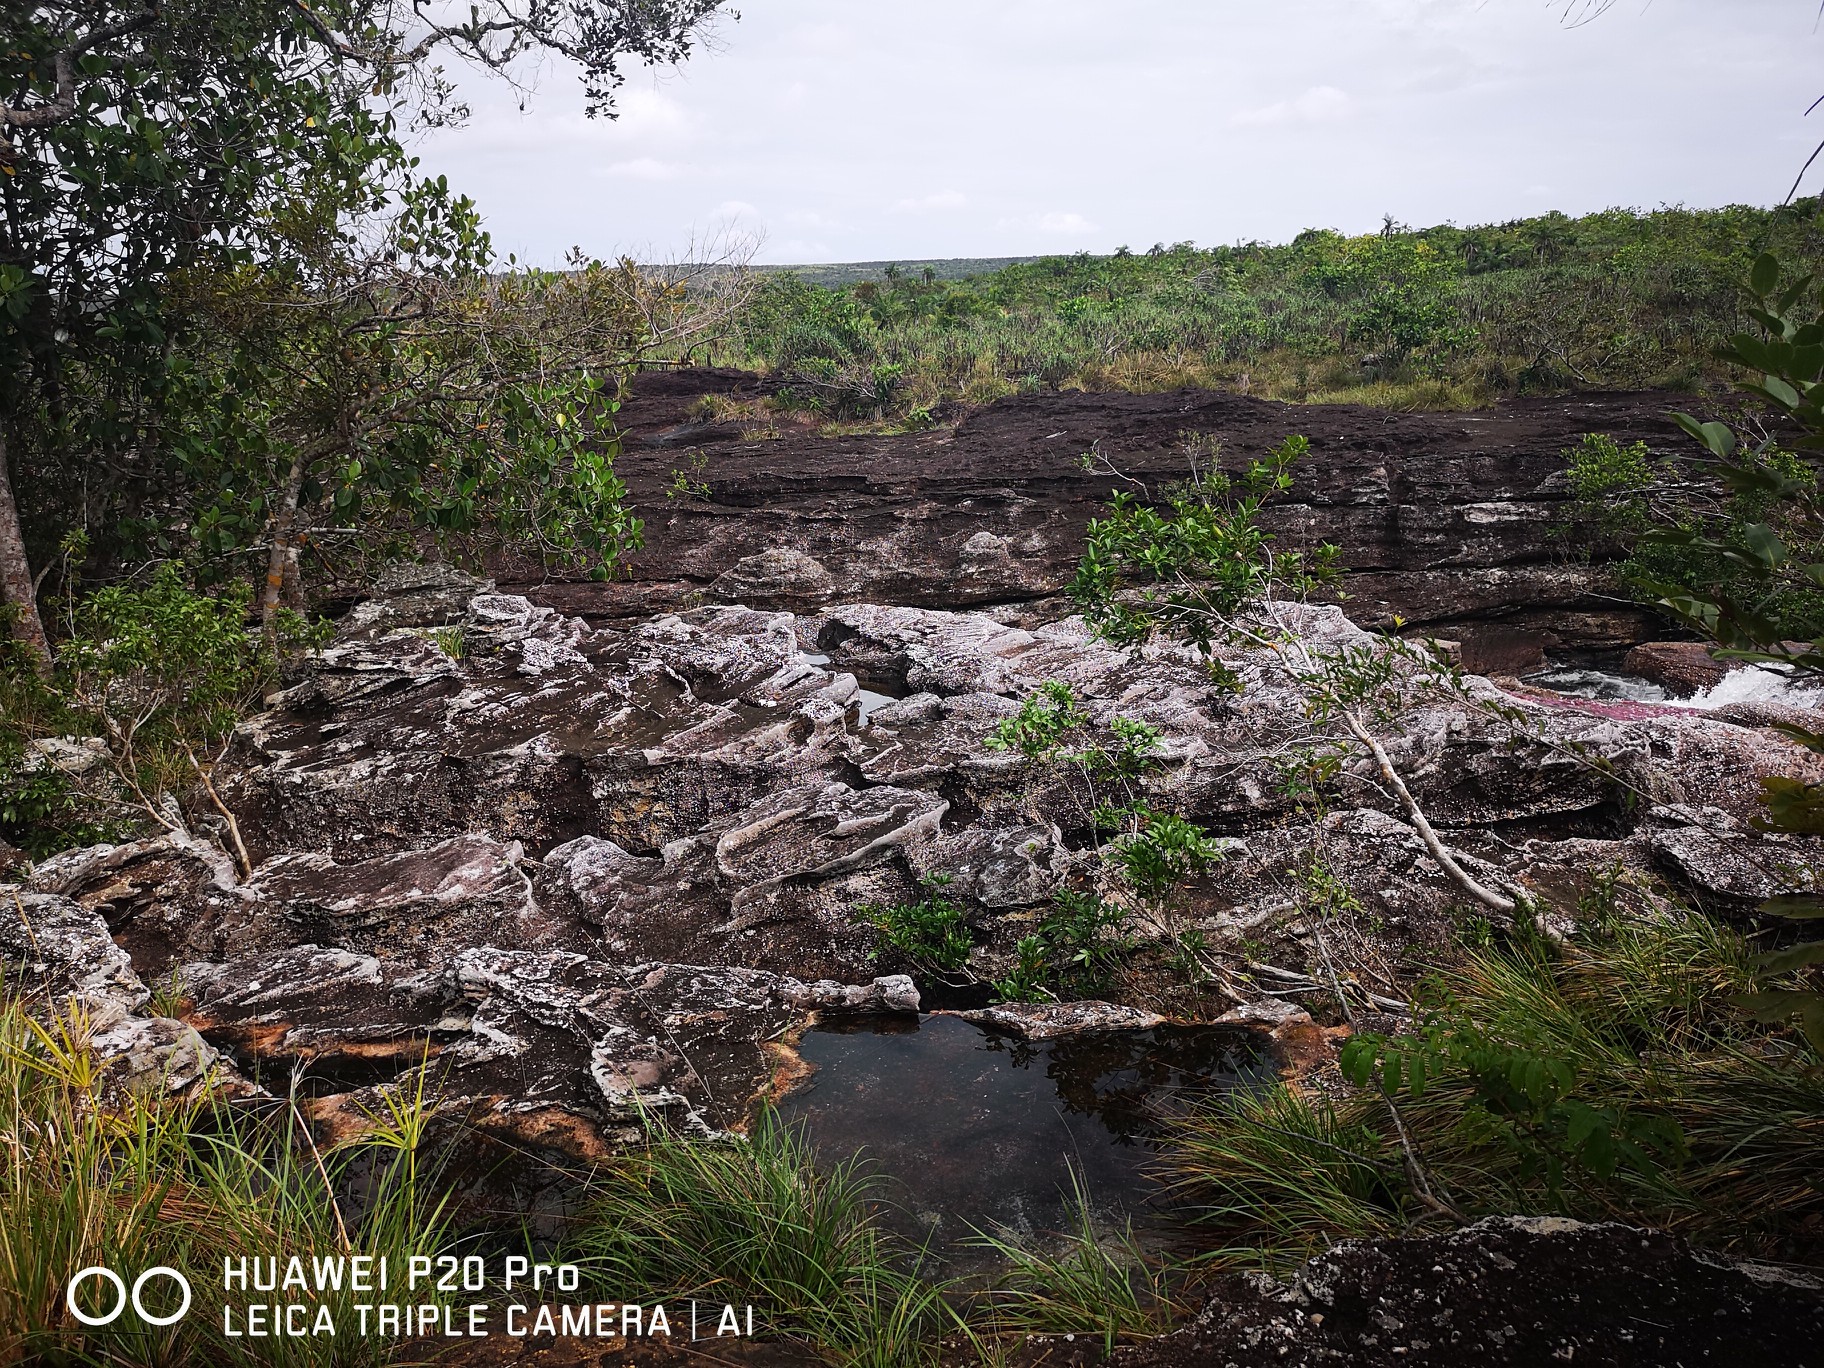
(1162, 851)
(932, 932)
(1196, 560)
(158, 675)
(1074, 953)
(1045, 720)
(1611, 1078)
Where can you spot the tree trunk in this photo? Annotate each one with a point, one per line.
(283, 520)
(17, 590)
(292, 595)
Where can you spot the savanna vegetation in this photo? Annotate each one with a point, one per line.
(1442, 317)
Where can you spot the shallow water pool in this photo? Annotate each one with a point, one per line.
(976, 1129)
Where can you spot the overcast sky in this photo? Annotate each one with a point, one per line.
(853, 130)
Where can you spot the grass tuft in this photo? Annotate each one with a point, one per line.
(90, 1175)
(1636, 1016)
(756, 1221)
(1096, 1284)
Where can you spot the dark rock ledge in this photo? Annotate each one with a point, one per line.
(1510, 1291)
(1446, 520)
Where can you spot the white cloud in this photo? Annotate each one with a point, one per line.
(1320, 104)
(810, 218)
(942, 199)
(827, 39)
(643, 168)
(646, 113)
(1254, 121)
(729, 210)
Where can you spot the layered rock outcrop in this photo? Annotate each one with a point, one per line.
(1507, 1291)
(1446, 520)
(590, 875)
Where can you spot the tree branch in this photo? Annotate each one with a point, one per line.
(62, 105)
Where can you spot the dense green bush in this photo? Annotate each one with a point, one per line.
(931, 932)
(149, 682)
(1681, 530)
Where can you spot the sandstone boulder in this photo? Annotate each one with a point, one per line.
(1682, 668)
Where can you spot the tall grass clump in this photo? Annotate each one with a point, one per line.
(91, 1174)
(755, 1221)
(1088, 1282)
(1613, 1077)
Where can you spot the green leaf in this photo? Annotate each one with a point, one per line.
(1781, 392)
(1717, 437)
(1801, 956)
(1764, 544)
(1793, 907)
(1764, 279)
(1793, 805)
(1793, 293)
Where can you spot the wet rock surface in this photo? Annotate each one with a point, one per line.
(1507, 1291)
(1682, 668)
(1444, 518)
(1055, 1020)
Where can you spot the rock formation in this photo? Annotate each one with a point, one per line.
(1506, 1291)
(1446, 520)
(592, 875)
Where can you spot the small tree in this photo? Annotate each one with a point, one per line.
(1200, 568)
(385, 402)
(153, 153)
(1078, 944)
(159, 675)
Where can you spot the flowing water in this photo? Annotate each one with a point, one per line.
(1760, 684)
(1605, 686)
(1598, 680)
(975, 1129)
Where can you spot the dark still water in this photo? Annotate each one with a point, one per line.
(978, 1129)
